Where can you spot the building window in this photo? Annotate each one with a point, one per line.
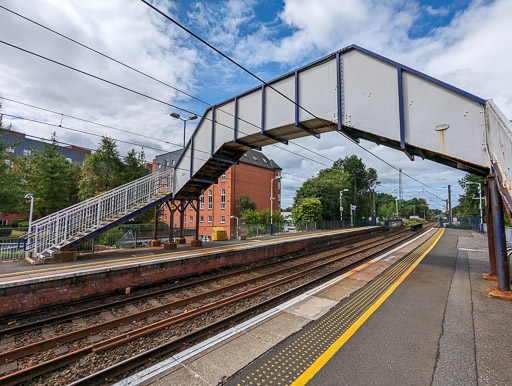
(222, 219)
(190, 219)
(279, 201)
(210, 199)
(27, 152)
(209, 218)
(201, 201)
(166, 163)
(223, 198)
(173, 162)
(201, 219)
(223, 178)
(165, 217)
(9, 150)
(278, 184)
(3, 222)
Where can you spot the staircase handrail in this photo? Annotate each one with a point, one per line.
(94, 210)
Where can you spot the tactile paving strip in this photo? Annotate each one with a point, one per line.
(286, 365)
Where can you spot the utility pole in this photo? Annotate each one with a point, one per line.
(450, 204)
(396, 206)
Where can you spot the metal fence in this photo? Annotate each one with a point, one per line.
(461, 223)
(131, 236)
(255, 230)
(9, 243)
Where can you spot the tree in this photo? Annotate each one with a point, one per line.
(309, 209)
(385, 205)
(468, 206)
(362, 182)
(12, 185)
(104, 170)
(326, 187)
(262, 217)
(244, 203)
(53, 180)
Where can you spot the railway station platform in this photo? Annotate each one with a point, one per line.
(417, 315)
(25, 287)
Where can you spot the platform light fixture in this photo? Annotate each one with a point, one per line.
(190, 118)
(341, 204)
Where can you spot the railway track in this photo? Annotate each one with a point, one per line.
(285, 277)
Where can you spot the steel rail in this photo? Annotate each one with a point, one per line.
(82, 333)
(96, 309)
(151, 355)
(39, 369)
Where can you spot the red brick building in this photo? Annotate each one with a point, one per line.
(252, 177)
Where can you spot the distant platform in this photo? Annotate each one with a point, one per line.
(26, 287)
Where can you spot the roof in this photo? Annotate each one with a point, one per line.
(256, 158)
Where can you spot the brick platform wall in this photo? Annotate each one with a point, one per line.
(20, 298)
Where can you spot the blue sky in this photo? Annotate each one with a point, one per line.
(465, 43)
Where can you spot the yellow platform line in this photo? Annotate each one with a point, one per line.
(328, 354)
(207, 251)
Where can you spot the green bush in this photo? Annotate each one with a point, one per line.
(5, 232)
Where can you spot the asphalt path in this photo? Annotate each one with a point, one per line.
(409, 339)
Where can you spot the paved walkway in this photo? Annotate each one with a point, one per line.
(434, 325)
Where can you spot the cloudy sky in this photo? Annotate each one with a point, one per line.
(462, 42)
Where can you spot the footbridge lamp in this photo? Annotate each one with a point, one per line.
(272, 202)
(191, 118)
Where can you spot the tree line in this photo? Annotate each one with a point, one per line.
(57, 183)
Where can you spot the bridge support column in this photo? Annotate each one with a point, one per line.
(500, 246)
(170, 244)
(196, 242)
(155, 242)
(490, 232)
(181, 209)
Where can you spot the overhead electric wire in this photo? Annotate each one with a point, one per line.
(99, 135)
(151, 77)
(268, 85)
(183, 109)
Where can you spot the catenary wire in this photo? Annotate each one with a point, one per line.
(268, 85)
(148, 76)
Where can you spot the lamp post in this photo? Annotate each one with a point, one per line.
(479, 203)
(271, 202)
(30, 197)
(191, 118)
(341, 204)
(236, 225)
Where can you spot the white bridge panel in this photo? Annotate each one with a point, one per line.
(279, 110)
(202, 142)
(318, 92)
(370, 95)
(428, 106)
(224, 124)
(249, 114)
(182, 171)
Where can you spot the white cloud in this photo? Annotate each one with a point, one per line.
(441, 11)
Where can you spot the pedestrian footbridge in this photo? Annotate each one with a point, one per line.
(353, 91)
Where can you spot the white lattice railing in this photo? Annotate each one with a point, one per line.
(77, 221)
(499, 146)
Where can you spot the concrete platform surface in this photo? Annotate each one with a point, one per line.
(437, 327)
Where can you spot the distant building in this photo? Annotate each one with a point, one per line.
(252, 177)
(21, 146)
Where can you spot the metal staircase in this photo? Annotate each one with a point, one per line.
(67, 228)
